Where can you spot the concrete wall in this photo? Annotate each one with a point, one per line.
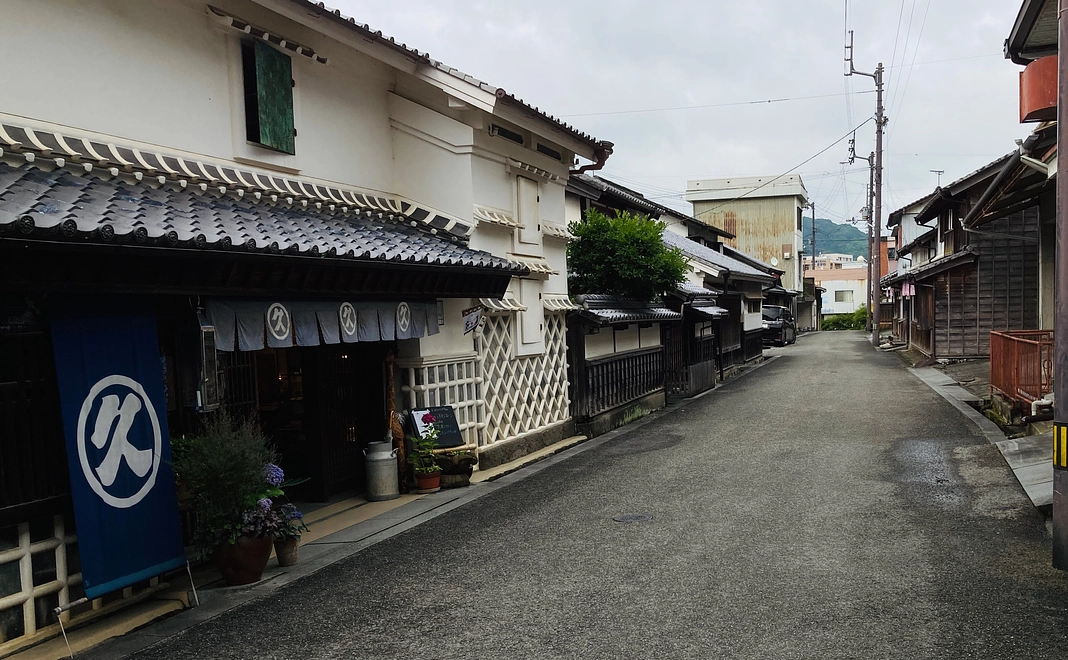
(857, 287)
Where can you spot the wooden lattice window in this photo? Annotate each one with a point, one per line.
(268, 75)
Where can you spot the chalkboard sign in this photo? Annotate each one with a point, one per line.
(444, 420)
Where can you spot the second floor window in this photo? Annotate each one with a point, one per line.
(268, 76)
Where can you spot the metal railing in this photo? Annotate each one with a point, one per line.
(1021, 364)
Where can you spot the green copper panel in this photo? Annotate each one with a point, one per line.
(274, 94)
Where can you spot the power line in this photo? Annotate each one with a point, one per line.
(908, 75)
(712, 105)
(795, 167)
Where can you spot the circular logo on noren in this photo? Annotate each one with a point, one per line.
(348, 318)
(278, 321)
(404, 317)
(119, 441)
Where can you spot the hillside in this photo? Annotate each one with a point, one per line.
(833, 237)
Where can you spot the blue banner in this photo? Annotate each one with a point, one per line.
(114, 407)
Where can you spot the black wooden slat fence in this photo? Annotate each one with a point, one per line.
(617, 379)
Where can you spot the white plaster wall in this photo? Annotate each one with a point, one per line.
(649, 337)
(431, 158)
(628, 339)
(572, 209)
(600, 344)
(492, 185)
(556, 255)
(164, 74)
(450, 338)
(492, 238)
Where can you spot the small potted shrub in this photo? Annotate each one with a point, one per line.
(287, 538)
(424, 465)
(227, 469)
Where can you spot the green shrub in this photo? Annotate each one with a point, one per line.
(858, 320)
(223, 466)
(623, 256)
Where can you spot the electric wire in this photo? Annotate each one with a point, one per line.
(795, 167)
(908, 74)
(710, 105)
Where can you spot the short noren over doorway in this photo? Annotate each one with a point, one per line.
(320, 406)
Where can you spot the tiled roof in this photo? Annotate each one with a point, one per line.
(708, 256)
(90, 154)
(366, 32)
(605, 309)
(696, 291)
(45, 201)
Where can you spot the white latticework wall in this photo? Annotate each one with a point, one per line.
(523, 394)
(454, 381)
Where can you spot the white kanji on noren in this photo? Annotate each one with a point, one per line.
(111, 428)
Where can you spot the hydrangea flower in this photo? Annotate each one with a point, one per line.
(265, 503)
(273, 474)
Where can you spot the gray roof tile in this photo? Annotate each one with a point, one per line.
(119, 209)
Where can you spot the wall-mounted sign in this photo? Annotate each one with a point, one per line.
(472, 316)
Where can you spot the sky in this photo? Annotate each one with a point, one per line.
(672, 84)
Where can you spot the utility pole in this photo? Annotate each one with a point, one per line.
(815, 320)
(877, 210)
(1060, 322)
(865, 214)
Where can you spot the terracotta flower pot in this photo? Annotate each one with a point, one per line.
(243, 562)
(428, 482)
(286, 551)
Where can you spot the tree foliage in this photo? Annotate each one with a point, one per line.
(858, 320)
(623, 256)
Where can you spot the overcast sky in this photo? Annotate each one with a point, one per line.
(615, 68)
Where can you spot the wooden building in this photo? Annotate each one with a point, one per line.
(969, 280)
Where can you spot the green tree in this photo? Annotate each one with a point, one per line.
(623, 256)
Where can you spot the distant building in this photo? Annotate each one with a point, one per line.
(763, 213)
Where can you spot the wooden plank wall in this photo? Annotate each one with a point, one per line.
(997, 292)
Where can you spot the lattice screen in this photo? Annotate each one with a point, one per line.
(457, 384)
(522, 394)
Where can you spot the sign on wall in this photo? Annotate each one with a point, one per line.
(111, 391)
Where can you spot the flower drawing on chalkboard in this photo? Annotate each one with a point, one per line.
(431, 430)
(423, 455)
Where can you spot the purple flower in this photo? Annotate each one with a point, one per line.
(428, 419)
(273, 474)
(265, 503)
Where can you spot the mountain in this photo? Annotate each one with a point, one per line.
(833, 237)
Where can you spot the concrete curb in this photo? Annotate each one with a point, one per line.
(941, 384)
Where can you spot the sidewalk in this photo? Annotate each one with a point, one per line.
(1029, 457)
(337, 530)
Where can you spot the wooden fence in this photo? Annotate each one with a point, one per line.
(617, 379)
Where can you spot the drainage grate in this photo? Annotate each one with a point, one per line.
(632, 517)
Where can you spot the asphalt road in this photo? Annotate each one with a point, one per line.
(826, 505)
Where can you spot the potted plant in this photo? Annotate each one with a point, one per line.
(287, 538)
(424, 465)
(227, 468)
(456, 467)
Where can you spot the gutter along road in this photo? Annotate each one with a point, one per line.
(775, 517)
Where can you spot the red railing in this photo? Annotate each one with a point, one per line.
(1021, 364)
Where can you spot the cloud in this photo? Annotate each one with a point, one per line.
(597, 56)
